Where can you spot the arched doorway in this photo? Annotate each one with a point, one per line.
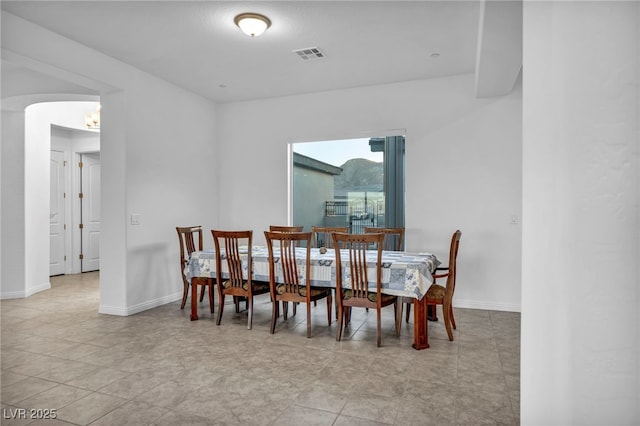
(26, 187)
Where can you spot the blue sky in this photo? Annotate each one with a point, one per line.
(338, 152)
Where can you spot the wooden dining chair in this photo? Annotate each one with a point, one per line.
(279, 228)
(284, 228)
(352, 280)
(322, 235)
(189, 236)
(239, 282)
(290, 276)
(392, 237)
(439, 295)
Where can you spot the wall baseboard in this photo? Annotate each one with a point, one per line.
(486, 306)
(140, 307)
(131, 310)
(25, 293)
(126, 311)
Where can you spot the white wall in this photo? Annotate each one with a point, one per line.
(580, 279)
(12, 272)
(463, 169)
(171, 180)
(157, 150)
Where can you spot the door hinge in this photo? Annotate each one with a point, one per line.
(64, 227)
(64, 163)
(64, 195)
(80, 164)
(81, 226)
(81, 195)
(65, 258)
(81, 256)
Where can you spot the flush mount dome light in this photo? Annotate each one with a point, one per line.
(252, 24)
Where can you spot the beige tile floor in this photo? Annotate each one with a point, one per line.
(159, 368)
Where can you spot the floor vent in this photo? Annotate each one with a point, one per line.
(310, 53)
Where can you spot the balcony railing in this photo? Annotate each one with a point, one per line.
(357, 214)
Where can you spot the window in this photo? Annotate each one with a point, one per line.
(350, 182)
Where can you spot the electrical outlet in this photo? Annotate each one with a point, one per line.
(135, 219)
(514, 219)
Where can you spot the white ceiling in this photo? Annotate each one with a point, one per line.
(197, 46)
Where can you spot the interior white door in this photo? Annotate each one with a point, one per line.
(90, 205)
(56, 215)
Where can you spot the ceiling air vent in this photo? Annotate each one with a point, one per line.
(310, 53)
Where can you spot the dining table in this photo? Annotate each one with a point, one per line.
(404, 274)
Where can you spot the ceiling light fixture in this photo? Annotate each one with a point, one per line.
(252, 24)
(92, 121)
